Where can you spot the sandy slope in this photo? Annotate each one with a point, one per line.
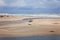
(11, 18)
(36, 27)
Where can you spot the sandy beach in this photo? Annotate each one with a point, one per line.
(11, 26)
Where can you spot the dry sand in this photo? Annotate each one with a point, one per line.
(40, 27)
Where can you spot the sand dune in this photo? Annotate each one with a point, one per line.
(24, 26)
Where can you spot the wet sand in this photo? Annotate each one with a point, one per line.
(23, 26)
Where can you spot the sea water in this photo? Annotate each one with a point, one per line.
(33, 38)
(50, 15)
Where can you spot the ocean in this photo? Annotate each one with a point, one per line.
(52, 37)
(44, 15)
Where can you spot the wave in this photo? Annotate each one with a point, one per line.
(34, 15)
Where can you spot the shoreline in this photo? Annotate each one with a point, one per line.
(33, 15)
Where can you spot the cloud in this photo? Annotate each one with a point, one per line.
(34, 3)
(2, 3)
(15, 3)
(31, 3)
(30, 6)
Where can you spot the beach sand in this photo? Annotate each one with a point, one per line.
(35, 27)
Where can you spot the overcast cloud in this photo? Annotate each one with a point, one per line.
(48, 4)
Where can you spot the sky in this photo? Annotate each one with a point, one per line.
(29, 6)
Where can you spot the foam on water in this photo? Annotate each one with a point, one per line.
(34, 15)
